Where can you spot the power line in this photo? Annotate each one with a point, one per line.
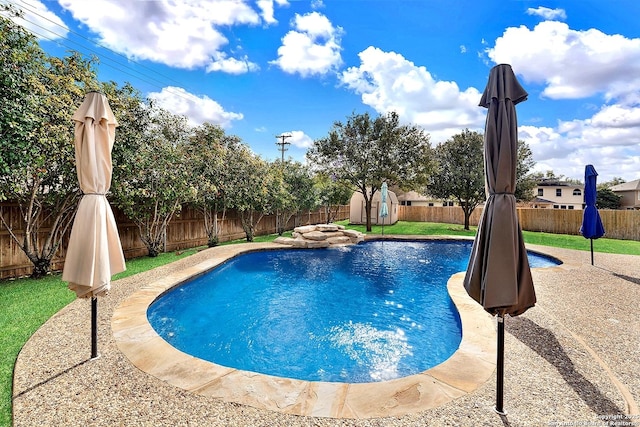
(119, 66)
(283, 144)
(127, 59)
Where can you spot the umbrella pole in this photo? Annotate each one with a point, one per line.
(94, 327)
(500, 368)
(591, 251)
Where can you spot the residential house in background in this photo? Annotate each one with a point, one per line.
(556, 194)
(630, 192)
(413, 198)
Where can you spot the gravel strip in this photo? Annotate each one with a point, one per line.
(551, 374)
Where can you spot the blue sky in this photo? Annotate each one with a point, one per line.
(270, 67)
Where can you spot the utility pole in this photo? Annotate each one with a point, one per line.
(283, 144)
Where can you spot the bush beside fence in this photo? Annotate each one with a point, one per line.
(185, 230)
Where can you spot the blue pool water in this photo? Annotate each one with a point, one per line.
(363, 313)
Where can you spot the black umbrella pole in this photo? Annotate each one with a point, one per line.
(500, 368)
(591, 251)
(94, 327)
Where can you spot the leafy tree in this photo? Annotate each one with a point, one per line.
(153, 186)
(365, 151)
(460, 171)
(524, 180)
(607, 199)
(615, 181)
(248, 189)
(213, 157)
(22, 63)
(280, 200)
(300, 193)
(39, 95)
(332, 194)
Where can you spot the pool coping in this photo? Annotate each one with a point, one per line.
(469, 367)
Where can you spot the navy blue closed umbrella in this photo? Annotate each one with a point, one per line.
(592, 227)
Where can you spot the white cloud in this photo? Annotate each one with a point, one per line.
(38, 20)
(299, 139)
(609, 140)
(388, 82)
(311, 48)
(267, 9)
(198, 109)
(572, 64)
(179, 34)
(231, 65)
(547, 13)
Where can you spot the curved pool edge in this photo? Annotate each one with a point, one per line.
(468, 368)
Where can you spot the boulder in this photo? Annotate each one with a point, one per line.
(339, 240)
(284, 240)
(351, 233)
(317, 244)
(327, 227)
(300, 243)
(315, 235)
(321, 236)
(305, 229)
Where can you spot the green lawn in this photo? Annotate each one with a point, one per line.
(613, 246)
(25, 304)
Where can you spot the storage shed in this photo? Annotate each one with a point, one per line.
(357, 212)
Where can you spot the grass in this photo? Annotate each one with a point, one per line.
(612, 246)
(25, 304)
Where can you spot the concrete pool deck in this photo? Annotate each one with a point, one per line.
(572, 358)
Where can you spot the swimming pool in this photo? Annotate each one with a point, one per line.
(370, 312)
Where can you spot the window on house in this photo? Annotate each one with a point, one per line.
(571, 206)
(540, 192)
(558, 192)
(563, 206)
(556, 206)
(430, 203)
(408, 202)
(577, 192)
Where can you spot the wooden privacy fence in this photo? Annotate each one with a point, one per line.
(185, 230)
(618, 224)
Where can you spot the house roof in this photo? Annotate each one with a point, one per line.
(541, 200)
(552, 182)
(627, 186)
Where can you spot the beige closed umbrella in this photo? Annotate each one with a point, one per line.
(498, 276)
(94, 252)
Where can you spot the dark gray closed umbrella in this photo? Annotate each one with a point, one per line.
(498, 276)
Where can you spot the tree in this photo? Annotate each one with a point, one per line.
(365, 151)
(154, 184)
(300, 194)
(460, 171)
(615, 181)
(39, 95)
(332, 194)
(248, 190)
(607, 199)
(525, 183)
(213, 157)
